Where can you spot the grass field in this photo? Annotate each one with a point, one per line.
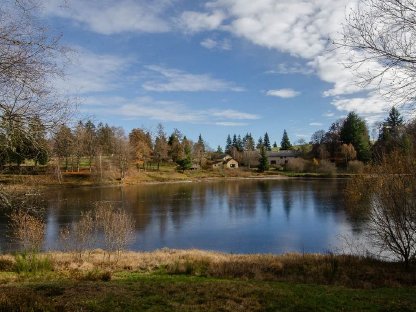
(153, 292)
(194, 280)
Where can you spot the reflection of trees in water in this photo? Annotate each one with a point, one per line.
(329, 196)
(265, 195)
(160, 206)
(163, 203)
(241, 198)
(295, 193)
(287, 190)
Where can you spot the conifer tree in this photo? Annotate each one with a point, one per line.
(285, 143)
(354, 131)
(263, 161)
(266, 142)
(259, 143)
(228, 145)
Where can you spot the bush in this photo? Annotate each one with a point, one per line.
(297, 165)
(327, 167)
(355, 166)
(117, 225)
(28, 230)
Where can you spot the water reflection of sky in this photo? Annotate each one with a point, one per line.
(270, 216)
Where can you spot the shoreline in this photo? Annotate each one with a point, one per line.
(44, 181)
(316, 268)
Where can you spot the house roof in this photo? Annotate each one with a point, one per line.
(283, 153)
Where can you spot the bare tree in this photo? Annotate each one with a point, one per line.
(380, 35)
(28, 230)
(161, 147)
(30, 58)
(122, 151)
(117, 226)
(388, 191)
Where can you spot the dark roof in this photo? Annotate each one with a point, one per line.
(283, 153)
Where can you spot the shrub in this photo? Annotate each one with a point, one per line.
(32, 263)
(327, 167)
(297, 165)
(117, 225)
(355, 166)
(28, 230)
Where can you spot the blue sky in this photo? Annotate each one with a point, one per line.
(211, 67)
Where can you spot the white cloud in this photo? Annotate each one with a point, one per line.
(195, 21)
(231, 124)
(172, 80)
(302, 29)
(283, 93)
(91, 72)
(111, 17)
(148, 107)
(212, 44)
(233, 114)
(315, 124)
(295, 26)
(294, 68)
(372, 104)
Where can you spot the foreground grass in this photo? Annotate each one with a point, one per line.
(194, 280)
(144, 292)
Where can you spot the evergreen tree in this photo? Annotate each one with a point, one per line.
(285, 143)
(228, 145)
(266, 142)
(240, 145)
(249, 154)
(263, 161)
(235, 143)
(354, 131)
(248, 142)
(275, 144)
(175, 146)
(219, 150)
(185, 163)
(201, 143)
(259, 143)
(391, 137)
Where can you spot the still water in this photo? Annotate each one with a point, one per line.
(243, 216)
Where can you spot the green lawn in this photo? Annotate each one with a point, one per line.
(162, 292)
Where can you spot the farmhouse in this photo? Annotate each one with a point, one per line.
(225, 161)
(281, 157)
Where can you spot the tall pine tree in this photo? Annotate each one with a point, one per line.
(228, 145)
(266, 142)
(263, 161)
(285, 143)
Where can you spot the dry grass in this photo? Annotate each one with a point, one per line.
(343, 270)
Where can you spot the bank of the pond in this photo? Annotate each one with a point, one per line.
(75, 179)
(195, 280)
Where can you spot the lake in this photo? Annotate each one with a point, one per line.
(242, 216)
